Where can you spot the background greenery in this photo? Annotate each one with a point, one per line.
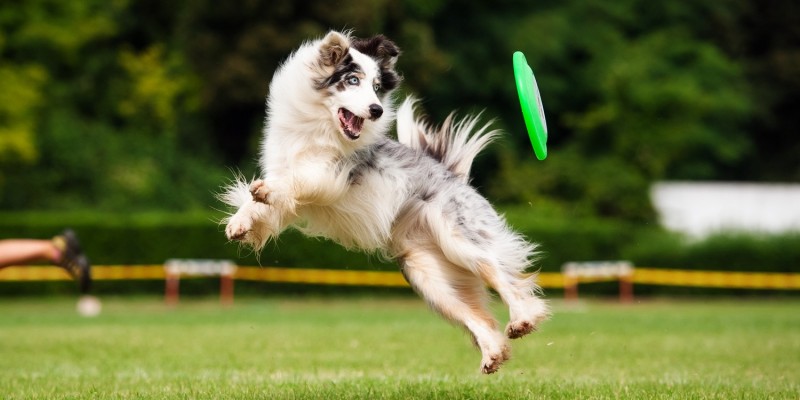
(154, 237)
(122, 118)
(137, 104)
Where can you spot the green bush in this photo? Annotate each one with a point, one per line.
(722, 252)
(152, 238)
(562, 239)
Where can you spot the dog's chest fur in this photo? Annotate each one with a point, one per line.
(382, 181)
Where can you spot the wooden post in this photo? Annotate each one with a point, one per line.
(174, 268)
(172, 289)
(570, 288)
(598, 271)
(226, 289)
(626, 288)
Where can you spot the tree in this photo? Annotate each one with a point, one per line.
(114, 127)
(147, 101)
(764, 38)
(636, 97)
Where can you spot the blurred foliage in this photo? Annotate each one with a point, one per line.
(728, 251)
(153, 237)
(650, 100)
(19, 99)
(159, 90)
(144, 104)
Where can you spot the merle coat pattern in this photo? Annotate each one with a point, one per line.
(330, 170)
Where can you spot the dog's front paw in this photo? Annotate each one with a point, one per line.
(238, 227)
(259, 191)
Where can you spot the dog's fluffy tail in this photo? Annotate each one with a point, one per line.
(455, 144)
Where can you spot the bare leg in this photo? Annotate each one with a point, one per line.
(24, 251)
(459, 296)
(63, 250)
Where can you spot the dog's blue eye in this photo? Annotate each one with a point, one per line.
(376, 87)
(353, 80)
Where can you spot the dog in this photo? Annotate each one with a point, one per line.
(330, 170)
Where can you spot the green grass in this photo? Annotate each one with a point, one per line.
(393, 348)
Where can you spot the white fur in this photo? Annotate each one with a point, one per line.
(409, 200)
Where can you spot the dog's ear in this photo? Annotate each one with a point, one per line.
(333, 49)
(385, 53)
(380, 48)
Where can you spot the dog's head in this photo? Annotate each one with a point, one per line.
(358, 76)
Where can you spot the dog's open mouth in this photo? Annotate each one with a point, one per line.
(351, 123)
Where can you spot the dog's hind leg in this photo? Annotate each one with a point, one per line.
(459, 296)
(526, 310)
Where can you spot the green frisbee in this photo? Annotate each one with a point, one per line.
(531, 103)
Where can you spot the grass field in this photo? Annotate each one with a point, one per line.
(393, 348)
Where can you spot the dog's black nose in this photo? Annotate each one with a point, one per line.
(375, 111)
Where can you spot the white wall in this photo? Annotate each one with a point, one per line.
(702, 208)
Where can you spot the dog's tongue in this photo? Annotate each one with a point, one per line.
(350, 122)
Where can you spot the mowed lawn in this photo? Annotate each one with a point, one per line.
(393, 348)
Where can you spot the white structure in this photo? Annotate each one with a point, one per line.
(174, 268)
(702, 208)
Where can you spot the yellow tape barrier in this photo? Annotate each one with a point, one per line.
(718, 279)
(320, 276)
(650, 276)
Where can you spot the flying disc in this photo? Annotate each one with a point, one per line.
(531, 103)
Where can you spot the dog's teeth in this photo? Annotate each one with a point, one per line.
(351, 123)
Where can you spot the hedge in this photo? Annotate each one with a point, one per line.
(152, 238)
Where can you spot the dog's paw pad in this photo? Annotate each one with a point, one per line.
(493, 364)
(239, 235)
(236, 231)
(259, 191)
(518, 329)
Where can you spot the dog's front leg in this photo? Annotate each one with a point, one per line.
(248, 225)
(272, 195)
(259, 219)
(312, 181)
(259, 191)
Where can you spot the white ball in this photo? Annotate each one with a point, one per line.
(89, 306)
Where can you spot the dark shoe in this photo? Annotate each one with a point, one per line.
(73, 259)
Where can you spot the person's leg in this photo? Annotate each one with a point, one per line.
(63, 250)
(73, 259)
(25, 251)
